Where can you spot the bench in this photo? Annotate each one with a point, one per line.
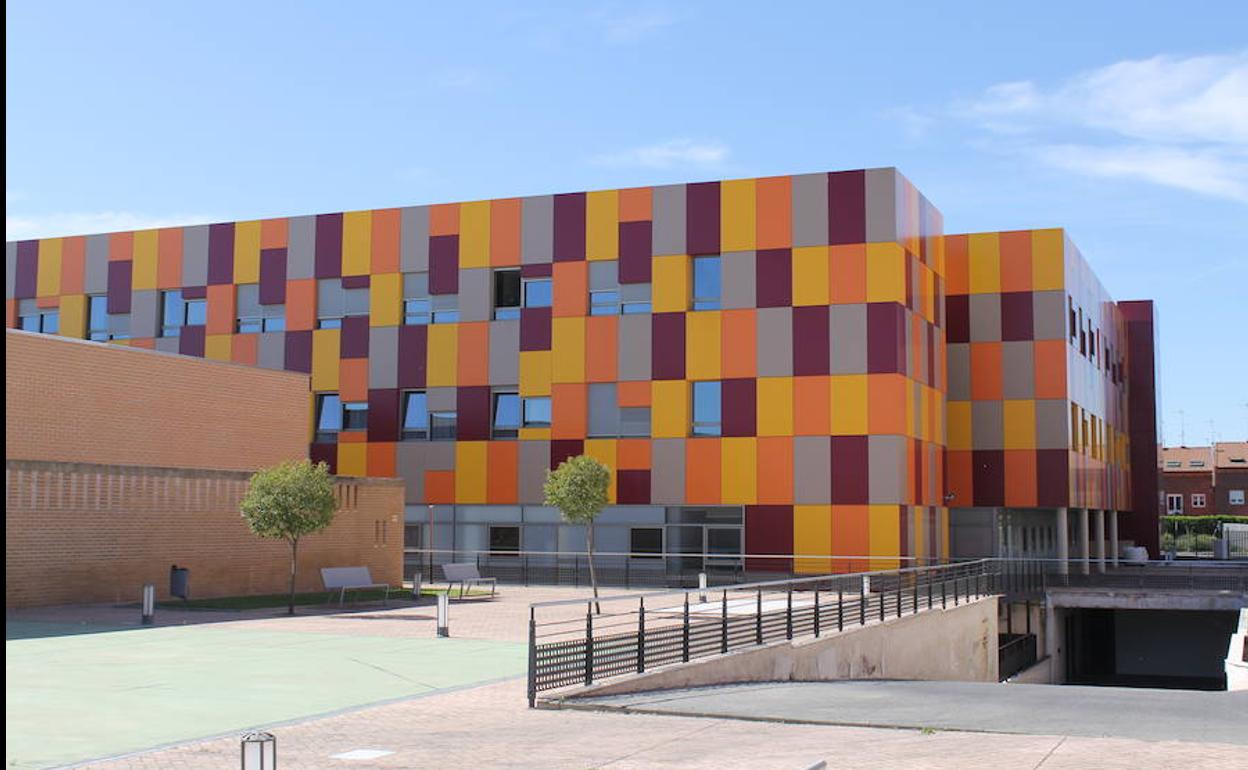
(343, 579)
(465, 575)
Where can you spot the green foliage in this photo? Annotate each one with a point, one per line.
(578, 488)
(1198, 525)
(290, 500)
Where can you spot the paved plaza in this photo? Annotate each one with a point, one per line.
(374, 687)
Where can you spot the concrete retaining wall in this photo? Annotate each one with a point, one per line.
(958, 644)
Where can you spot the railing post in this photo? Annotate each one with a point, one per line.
(788, 614)
(816, 610)
(627, 562)
(532, 658)
(862, 605)
(955, 590)
(589, 643)
(723, 631)
(840, 606)
(915, 595)
(943, 588)
(898, 594)
(684, 634)
(641, 634)
(881, 605)
(758, 618)
(929, 591)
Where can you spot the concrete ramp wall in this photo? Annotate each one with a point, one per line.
(954, 644)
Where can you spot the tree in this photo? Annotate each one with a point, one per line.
(578, 488)
(287, 502)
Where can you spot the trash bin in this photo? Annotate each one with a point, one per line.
(179, 582)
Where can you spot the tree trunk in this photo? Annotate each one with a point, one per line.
(593, 578)
(294, 553)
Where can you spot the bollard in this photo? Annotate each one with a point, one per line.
(148, 611)
(259, 751)
(702, 587)
(417, 580)
(444, 606)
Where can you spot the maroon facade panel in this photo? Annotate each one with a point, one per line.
(328, 246)
(220, 253)
(563, 448)
(850, 479)
(739, 399)
(413, 349)
(535, 328)
(847, 207)
(569, 237)
(26, 278)
(811, 340)
(356, 281)
(773, 277)
(632, 487)
(886, 338)
(540, 270)
(272, 276)
(299, 351)
(1142, 525)
(769, 529)
(635, 251)
(702, 218)
(1052, 478)
(353, 341)
(667, 347)
(988, 476)
(191, 342)
(194, 292)
(120, 277)
(444, 264)
(1017, 323)
(383, 414)
(324, 453)
(473, 417)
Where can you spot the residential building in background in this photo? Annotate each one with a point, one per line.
(1206, 480)
(797, 365)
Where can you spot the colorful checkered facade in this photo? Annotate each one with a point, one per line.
(828, 337)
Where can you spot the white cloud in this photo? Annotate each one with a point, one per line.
(1178, 122)
(674, 152)
(25, 226)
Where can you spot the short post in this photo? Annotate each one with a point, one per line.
(862, 605)
(723, 629)
(147, 613)
(418, 581)
(955, 590)
(684, 634)
(899, 595)
(641, 634)
(532, 657)
(702, 587)
(914, 598)
(929, 592)
(816, 610)
(881, 595)
(944, 584)
(840, 606)
(444, 611)
(589, 643)
(758, 618)
(259, 751)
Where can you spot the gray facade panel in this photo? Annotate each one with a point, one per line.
(987, 425)
(668, 229)
(886, 461)
(441, 399)
(439, 455)
(882, 205)
(812, 475)
(667, 474)
(168, 344)
(959, 354)
(414, 239)
(1018, 364)
(810, 210)
(96, 275)
(739, 279)
(1048, 315)
(383, 357)
(410, 465)
(1052, 424)
(848, 337)
(534, 461)
(537, 229)
(10, 269)
(144, 313)
(271, 351)
(505, 353)
(301, 248)
(775, 342)
(195, 255)
(985, 317)
(475, 302)
(634, 347)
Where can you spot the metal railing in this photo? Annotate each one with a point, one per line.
(638, 632)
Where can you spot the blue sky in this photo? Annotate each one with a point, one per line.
(1125, 122)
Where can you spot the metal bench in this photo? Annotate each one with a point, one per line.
(466, 575)
(343, 579)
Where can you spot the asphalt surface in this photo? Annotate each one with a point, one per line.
(1120, 712)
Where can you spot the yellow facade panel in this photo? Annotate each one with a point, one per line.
(669, 410)
(812, 536)
(884, 536)
(602, 225)
(737, 212)
(670, 283)
(246, 252)
(567, 349)
(886, 273)
(985, 263)
(702, 345)
(849, 404)
(474, 234)
(385, 300)
(143, 268)
(535, 373)
(739, 470)
(471, 471)
(443, 355)
(810, 275)
(775, 406)
(357, 242)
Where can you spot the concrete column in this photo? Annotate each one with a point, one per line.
(1113, 538)
(1081, 532)
(1098, 529)
(1063, 541)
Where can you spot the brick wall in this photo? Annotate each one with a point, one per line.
(75, 401)
(96, 533)
(1188, 484)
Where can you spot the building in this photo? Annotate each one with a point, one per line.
(120, 463)
(798, 365)
(1205, 481)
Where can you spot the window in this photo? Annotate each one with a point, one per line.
(333, 303)
(505, 540)
(506, 422)
(645, 542)
(177, 312)
(706, 411)
(1073, 322)
(328, 417)
(604, 302)
(537, 412)
(537, 292)
(635, 298)
(442, 426)
(1173, 464)
(355, 415)
(506, 294)
(32, 318)
(1174, 504)
(608, 419)
(254, 317)
(417, 309)
(1198, 500)
(97, 318)
(1235, 497)
(415, 415)
(1195, 463)
(706, 283)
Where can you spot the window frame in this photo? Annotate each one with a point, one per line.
(505, 551)
(525, 422)
(706, 301)
(507, 312)
(352, 412)
(505, 433)
(94, 333)
(421, 434)
(449, 418)
(635, 553)
(1198, 500)
(700, 428)
(538, 280)
(323, 435)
